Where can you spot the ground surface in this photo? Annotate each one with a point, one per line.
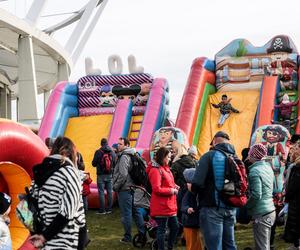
(105, 232)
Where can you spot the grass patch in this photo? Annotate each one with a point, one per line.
(105, 231)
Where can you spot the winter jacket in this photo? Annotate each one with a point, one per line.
(86, 186)
(177, 168)
(190, 220)
(98, 158)
(260, 179)
(5, 239)
(292, 227)
(209, 176)
(225, 108)
(163, 200)
(57, 186)
(121, 177)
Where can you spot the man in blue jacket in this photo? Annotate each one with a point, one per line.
(216, 219)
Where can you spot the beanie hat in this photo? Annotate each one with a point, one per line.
(189, 174)
(115, 146)
(257, 152)
(5, 202)
(192, 150)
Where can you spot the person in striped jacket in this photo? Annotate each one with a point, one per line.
(57, 187)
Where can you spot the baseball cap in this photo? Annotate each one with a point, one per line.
(220, 134)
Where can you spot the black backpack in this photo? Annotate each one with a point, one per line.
(138, 171)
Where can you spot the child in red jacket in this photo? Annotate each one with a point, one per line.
(86, 190)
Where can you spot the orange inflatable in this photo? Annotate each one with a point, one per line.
(20, 150)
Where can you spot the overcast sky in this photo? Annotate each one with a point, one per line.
(166, 35)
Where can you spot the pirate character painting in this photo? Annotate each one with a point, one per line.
(279, 50)
(274, 136)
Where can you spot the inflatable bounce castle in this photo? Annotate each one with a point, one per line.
(131, 105)
(259, 82)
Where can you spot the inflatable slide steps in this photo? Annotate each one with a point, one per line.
(136, 124)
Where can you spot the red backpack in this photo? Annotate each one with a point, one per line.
(235, 189)
(106, 161)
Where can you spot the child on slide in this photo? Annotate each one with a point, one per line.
(225, 109)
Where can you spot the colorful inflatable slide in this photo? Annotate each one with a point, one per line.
(110, 106)
(255, 78)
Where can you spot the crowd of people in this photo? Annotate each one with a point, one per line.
(184, 196)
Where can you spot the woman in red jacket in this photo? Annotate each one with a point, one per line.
(163, 206)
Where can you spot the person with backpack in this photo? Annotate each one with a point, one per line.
(260, 204)
(56, 188)
(163, 205)
(104, 160)
(122, 182)
(217, 219)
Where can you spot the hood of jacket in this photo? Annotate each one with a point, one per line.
(152, 164)
(106, 149)
(129, 151)
(50, 164)
(186, 161)
(226, 147)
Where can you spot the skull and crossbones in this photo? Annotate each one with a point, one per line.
(277, 43)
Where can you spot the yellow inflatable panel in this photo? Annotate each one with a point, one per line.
(238, 126)
(17, 179)
(86, 132)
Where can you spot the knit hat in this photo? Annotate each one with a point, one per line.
(189, 174)
(5, 202)
(192, 150)
(115, 146)
(257, 152)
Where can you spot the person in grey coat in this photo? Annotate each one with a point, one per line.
(121, 184)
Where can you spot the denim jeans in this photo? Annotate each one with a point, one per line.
(262, 230)
(217, 226)
(104, 182)
(162, 223)
(125, 199)
(85, 203)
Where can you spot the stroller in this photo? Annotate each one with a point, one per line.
(141, 200)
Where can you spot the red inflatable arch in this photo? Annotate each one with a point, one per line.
(20, 150)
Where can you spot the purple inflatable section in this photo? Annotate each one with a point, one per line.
(153, 114)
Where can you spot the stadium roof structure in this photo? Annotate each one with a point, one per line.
(32, 61)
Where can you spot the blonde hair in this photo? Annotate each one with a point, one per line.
(180, 150)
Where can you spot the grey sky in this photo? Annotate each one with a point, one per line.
(166, 35)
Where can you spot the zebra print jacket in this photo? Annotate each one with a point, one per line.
(57, 187)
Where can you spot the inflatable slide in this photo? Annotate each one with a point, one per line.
(110, 106)
(20, 150)
(258, 81)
